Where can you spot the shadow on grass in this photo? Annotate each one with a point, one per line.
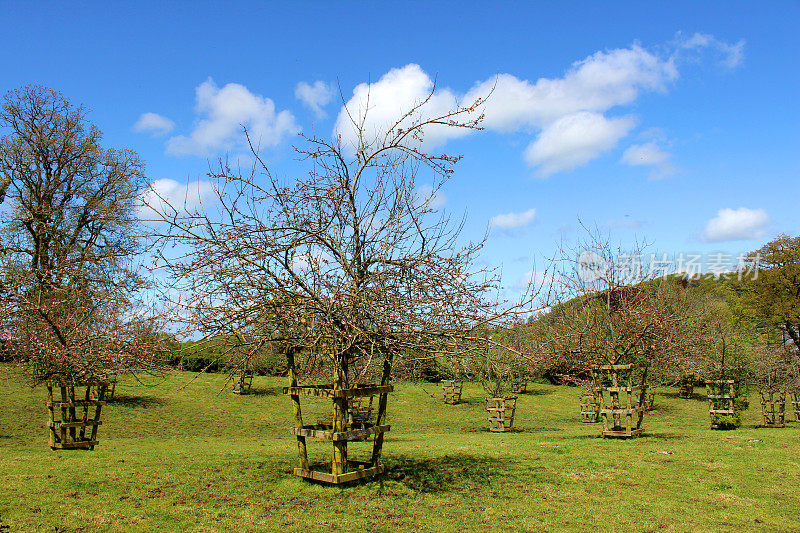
(265, 391)
(536, 392)
(675, 396)
(645, 435)
(470, 401)
(657, 435)
(128, 400)
(660, 409)
(442, 474)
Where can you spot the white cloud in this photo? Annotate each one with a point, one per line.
(574, 140)
(168, 197)
(735, 224)
(224, 111)
(425, 194)
(513, 220)
(387, 101)
(555, 108)
(730, 55)
(601, 81)
(314, 96)
(153, 123)
(649, 154)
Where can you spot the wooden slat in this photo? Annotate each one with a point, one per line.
(622, 433)
(341, 478)
(328, 392)
(622, 410)
(329, 434)
(623, 389)
(78, 403)
(79, 444)
(78, 424)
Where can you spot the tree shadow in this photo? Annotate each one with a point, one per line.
(442, 474)
(675, 395)
(469, 401)
(660, 409)
(133, 401)
(537, 392)
(265, 391)
(657, 435)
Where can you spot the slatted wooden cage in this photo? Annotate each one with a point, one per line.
(74, 413)
(721, 395)
(796, 406)
(686, 386)
(649, 400)
(452, 389)
(501, 413)
(518, 386)
(773, 408)
(622, 390)
(352, 421)
(243, 382)
(590, 406)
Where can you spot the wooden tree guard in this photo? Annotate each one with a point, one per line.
(501, 413)
(621, 417)
(70, 414)
(359, 411)
(518, 386)
(243, 382)
(452, 390)
(796, 406)
(112, 387)
(721, 396)
(345, 428)
(686, 385)
(649, 401)
(590, 406)
(773, 407)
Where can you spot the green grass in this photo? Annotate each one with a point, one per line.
(194, 459)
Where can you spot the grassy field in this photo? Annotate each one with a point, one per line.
(195, 459)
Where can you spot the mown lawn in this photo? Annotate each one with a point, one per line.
(179, 455)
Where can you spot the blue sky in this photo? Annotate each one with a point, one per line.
(674, 122)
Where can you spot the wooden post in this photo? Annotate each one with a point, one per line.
(64, 412)
(377, 446)
(101, 398)
(298, 416)
(87, 398)
(339, 459)
(52, 415)
(642, 395)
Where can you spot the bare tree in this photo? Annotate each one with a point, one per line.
(350, 260)
(609, 307)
